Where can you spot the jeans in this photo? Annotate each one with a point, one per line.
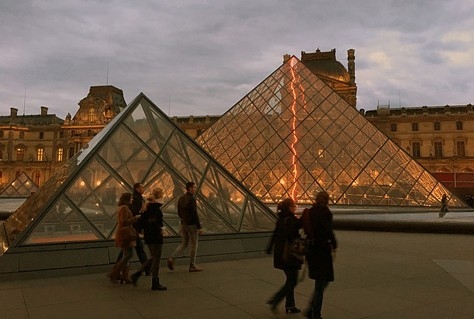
(140, 252)
(287, 290)
(189, 235)
(317, 302)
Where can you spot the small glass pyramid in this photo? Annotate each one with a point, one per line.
(22, 186)
(141, 144)
(293, 136)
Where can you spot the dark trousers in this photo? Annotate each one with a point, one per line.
(155, 251)
(140, 252)
(287, 290)
(316, 304)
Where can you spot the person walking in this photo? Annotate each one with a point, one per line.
(321, 248)
(151, 222)
(444, 206)
(286, 231)
(125, 238)
(190, 228)
(137, 207)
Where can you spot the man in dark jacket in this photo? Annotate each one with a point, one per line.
(190, 227)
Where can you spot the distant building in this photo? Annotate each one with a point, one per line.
(39, 144)
(438, 137)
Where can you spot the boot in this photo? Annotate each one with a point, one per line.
(114, 273)
(155, 284)
(124, 279)
(135, 277)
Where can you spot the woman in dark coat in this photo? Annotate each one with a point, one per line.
(151, 222)
(322, 244)
(286, 230)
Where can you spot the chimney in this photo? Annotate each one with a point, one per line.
(44, 111)
(286, 57)
(13, 112)
(351, 64)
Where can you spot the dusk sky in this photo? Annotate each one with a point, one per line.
(201, 57)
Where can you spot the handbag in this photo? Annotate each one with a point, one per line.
(128, 233)
(295, 250)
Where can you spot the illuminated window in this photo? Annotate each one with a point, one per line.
(91, 115)
(393, 127)
(20, 153)
(437, 126)
(459, 125)
(414, 127)
(40, 154)
(416, 147)
(59, 158)
(460, 149)
(438, 148)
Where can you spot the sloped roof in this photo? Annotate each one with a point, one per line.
(32, 119)
(22, 186)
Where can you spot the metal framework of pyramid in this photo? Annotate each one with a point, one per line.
(293, 135)
(22, 186)
(79, 202)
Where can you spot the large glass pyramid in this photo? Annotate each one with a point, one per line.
(141, 144)
(22, 186)
(294, 136)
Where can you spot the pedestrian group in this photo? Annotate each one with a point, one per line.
(314, 246)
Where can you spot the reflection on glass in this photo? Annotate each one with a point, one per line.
(293, 136)
(79, 203)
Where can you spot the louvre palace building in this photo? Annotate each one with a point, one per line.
(296, 133)
(437, 138)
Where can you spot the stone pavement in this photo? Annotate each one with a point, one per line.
(379, 275)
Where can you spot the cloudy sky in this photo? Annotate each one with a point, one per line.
(202, 56)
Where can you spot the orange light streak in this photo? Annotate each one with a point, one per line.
(294, 85)
(293, 132)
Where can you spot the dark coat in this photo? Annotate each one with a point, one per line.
(286, 230)
(187, 210)
(151, 222)
(321, 242)
(137, 203)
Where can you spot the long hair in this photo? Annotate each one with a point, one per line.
(125, 199)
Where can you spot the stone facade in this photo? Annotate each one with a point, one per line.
(438, 137)
(39, 144)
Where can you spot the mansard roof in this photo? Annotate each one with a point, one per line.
(29, 120)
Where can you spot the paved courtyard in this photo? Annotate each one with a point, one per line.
(379, 275)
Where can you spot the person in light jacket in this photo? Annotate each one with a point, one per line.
(125, 218)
